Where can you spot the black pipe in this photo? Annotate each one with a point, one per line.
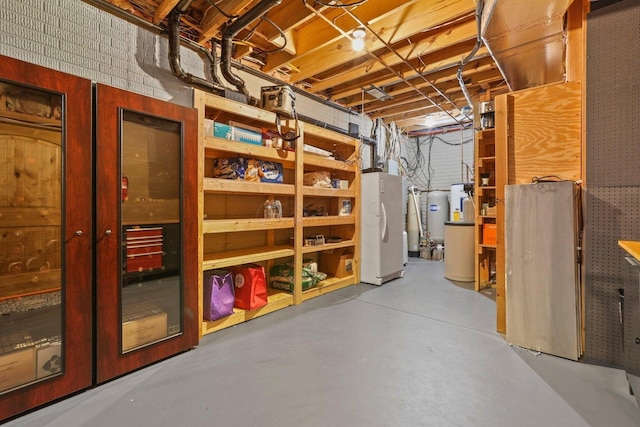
(174, 57)
(227, 42)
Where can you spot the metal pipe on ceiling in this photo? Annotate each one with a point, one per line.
(227, 42)
(200, 50)
(174, 57)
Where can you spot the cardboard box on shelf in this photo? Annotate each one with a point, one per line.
(143, 330)
(49, 359)
(489, 233)
(344, 207)
(17, 368)
(336, 263)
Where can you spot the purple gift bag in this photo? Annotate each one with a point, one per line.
(218, 295)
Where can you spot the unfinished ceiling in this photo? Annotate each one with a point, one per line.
(413, 49)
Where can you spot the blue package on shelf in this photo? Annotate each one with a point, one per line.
(235, 133)
(271, 171)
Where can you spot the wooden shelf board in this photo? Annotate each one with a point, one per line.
(488, 159)
(319, 221)
(328, 246)
(30, 118)
(329, 285)
(487, 285)
(327, 192)
(212, 226)
(277, 300)
(487, 216)
(489, 133)
(20, 284)
(249, 150)
(217, 185)
(238, 108)
(334, 137)
(329, 163)
(30, 217)
(244, 256)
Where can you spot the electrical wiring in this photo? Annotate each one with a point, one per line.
(278, 29)
(222, 12)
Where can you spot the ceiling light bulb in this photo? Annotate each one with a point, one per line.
(359, 33)
(357, 44)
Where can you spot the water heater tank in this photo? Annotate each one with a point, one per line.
(437, 214)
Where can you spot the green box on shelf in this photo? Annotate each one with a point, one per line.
(281, 276)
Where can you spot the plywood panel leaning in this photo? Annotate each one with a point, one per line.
(546, 130)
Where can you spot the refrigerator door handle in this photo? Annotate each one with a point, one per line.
(383, 224)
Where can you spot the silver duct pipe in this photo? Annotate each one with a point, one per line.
(227, 43)
(473, 52)
(174, 57)
(519, 33)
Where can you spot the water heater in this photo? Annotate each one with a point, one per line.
(437, 214)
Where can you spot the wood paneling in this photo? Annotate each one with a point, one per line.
(546, 131)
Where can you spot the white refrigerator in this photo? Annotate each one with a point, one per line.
(381, 245)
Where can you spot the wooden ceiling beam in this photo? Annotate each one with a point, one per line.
(414, 19)
(163, 10)
(452, 90)
(213, 20)
(316, 34)
(446, 86)
(448, 58)
(440, 40)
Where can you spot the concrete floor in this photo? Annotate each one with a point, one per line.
(417, 351)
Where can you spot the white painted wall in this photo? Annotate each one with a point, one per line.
(434, 162)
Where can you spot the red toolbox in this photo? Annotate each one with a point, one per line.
(144, 248)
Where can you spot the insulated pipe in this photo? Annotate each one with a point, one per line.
(227, 42)
(212, 57)
(174, 57)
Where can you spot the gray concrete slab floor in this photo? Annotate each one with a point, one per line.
(417, 351)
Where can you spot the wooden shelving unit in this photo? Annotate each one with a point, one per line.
(485, 163)
(232, 230)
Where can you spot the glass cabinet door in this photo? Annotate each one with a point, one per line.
(146, 240)
(45, 235)
(151, 297)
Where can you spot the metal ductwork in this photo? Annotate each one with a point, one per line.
(527, 40)
(174, 58)
(473, 52)
(227, 43)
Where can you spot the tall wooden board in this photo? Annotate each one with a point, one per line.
(542, 288)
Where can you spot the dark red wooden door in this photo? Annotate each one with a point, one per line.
(146, 231)
(45, 236)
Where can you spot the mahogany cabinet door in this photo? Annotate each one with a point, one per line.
(146, 231)
(45, 236)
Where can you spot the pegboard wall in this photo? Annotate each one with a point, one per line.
(612, 182)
